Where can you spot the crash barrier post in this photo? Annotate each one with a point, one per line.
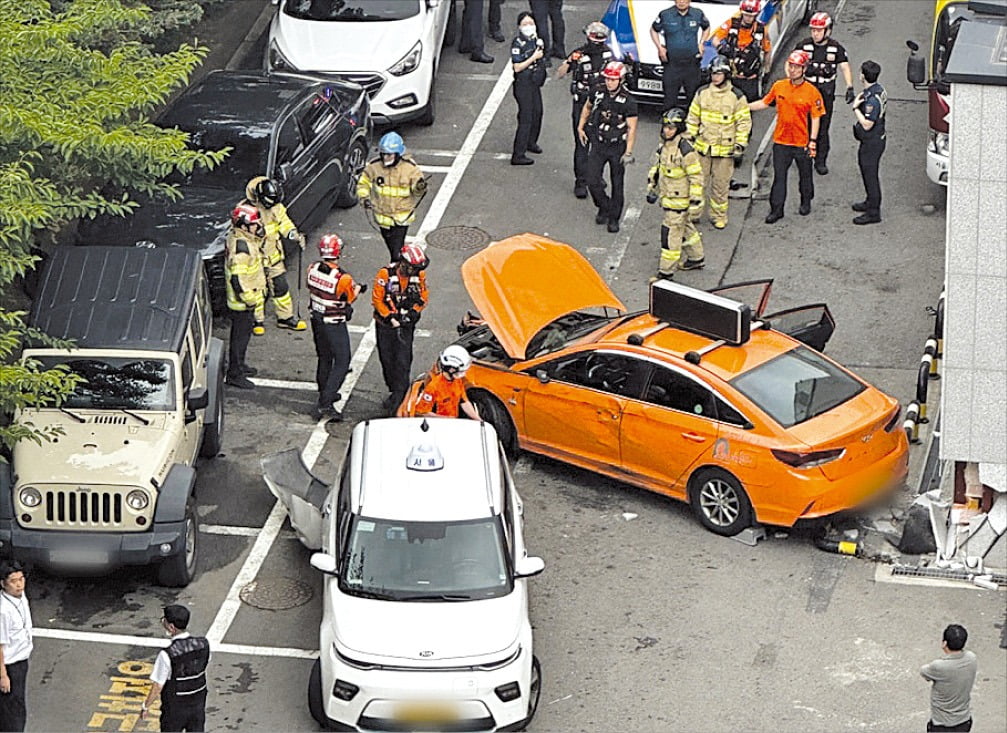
(939, 326)
(922, 382)
(911, 424)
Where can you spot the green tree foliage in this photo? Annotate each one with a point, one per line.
(77, 89)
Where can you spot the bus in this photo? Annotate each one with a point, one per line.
(948, 17)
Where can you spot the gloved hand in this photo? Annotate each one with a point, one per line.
(739, 151)
(420, 186)
(363, 288)
(850, 95)
(368, 205)
(576, 56)
(627, 158)
(409, 317)
(812, 148)
(651, 197)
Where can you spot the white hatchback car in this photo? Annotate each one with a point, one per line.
(425, 620)
(389, 47)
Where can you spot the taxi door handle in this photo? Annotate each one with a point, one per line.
(695, 438)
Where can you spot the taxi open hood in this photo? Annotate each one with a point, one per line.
(523, 283)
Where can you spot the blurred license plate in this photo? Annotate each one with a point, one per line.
(650, 85)
(421, 712)
(78, 557)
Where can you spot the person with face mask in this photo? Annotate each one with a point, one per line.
(391, 188)
(586, 62)
(675, 180)
(179, 675)
(526, 54)
(719, 124)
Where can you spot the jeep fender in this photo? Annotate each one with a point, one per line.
(6, 491)
(174, 494)
(214, 378)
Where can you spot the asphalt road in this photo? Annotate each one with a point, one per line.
(643, 620)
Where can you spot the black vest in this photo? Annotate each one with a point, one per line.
(746, 61)
(187, 684)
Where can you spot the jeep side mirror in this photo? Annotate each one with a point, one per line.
(916, 66)
(198, 399)
(526, 567)
(542, 375)
(325, 562)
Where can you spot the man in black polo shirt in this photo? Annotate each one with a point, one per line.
(681, 49)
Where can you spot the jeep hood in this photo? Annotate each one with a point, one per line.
(522, 284)
(125, 454)
(427, 633)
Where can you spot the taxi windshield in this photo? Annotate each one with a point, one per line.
(568, 329)
(797, 386)
(425, 561)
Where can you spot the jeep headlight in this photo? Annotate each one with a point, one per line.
(137, 500)
(30, 497)
(409, 62)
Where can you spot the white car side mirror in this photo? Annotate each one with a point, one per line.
(525, 567)
(326, 563)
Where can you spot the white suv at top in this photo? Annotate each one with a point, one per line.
(389, 47)
(425, 621)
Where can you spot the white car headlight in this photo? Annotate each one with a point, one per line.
(137, 500)
(30, 497)
(409, 62)
(939, 142)
(277, 61)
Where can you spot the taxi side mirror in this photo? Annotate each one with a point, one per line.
(542, 375)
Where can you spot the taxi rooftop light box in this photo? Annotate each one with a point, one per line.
(700, 312)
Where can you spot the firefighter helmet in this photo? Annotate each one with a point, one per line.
(245, 215)
(720, 65)
(820, 20)
(614, 70)
(750, 6)
(391, 143)
(268, 192)
(414, 256)
(455, 360)
(596, 31)
(330, 246)
(799, 58)
(674, 117)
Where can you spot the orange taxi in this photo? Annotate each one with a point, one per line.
(708, 401)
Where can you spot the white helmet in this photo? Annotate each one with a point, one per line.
(455, 359)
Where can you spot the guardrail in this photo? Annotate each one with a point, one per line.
(929, 369)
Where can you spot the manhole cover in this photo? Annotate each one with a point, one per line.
(276, 594)
(458, 238)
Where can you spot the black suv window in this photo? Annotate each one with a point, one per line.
(668, 388)
(316, 117)
(288, 141)
(601, 370)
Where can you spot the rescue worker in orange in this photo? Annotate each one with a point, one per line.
(332, 292)
(399, 296)
(392, 187)
(443, 394)
(719, 123)
(676, 179)
(797, 101)
(744, 41)
(266, 195)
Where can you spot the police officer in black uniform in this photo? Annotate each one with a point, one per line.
(827, 56)
(526, 54)
(869, 108)
(179, 675)
(587, 63)
(608, 126)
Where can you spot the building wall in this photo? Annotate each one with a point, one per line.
(974, 389)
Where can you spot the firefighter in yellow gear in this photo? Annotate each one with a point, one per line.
(676, 180)
(719, 124)
(391, 187)
(245, 284)
(265, 194)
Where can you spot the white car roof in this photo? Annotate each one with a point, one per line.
(417, 469)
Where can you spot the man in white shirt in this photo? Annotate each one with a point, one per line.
(179, 675)
(15, 646)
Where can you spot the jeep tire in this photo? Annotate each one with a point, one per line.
(179, 570)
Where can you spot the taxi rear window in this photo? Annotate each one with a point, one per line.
(797, 386)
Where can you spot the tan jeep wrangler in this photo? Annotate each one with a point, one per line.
(118, 486)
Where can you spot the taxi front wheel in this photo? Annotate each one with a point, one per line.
(720, 502)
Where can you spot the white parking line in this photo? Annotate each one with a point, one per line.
(618, 251)
(148, 641)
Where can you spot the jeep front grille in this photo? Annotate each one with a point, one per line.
(108, 419)
(88, 509)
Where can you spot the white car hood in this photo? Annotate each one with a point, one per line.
(426, 633)
(312, 45)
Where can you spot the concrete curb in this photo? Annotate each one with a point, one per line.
(245, 47)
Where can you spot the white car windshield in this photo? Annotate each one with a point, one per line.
(425, 561)
(114, 383)
(351, 10)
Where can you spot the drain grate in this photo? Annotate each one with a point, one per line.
(458, 238)
(276, 594)
(944, 573)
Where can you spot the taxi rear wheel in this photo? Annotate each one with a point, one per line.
(720, 502)
(496, 415)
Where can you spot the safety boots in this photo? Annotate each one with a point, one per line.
(291, 324)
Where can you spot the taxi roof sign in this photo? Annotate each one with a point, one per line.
(424, 457)
(700, 312)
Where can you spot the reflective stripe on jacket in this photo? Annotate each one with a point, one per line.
(676, 174)
(244, 277)
(394, 191)
(718, 120)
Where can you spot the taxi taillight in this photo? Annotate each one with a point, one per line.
(807, 460)
(893, 421)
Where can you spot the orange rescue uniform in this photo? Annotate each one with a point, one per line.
(441, 396)
(794, 102)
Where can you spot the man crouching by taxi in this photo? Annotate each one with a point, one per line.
(442, 393)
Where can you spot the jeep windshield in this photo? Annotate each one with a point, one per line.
(351, 10)
(116, 383)
(425, 561)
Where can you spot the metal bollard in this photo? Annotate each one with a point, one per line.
(910, 424)
(931, 350)
(922, 379)
(939, 326)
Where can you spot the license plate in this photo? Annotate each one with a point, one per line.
(650, 85)
(421, 712)
(78, 557)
